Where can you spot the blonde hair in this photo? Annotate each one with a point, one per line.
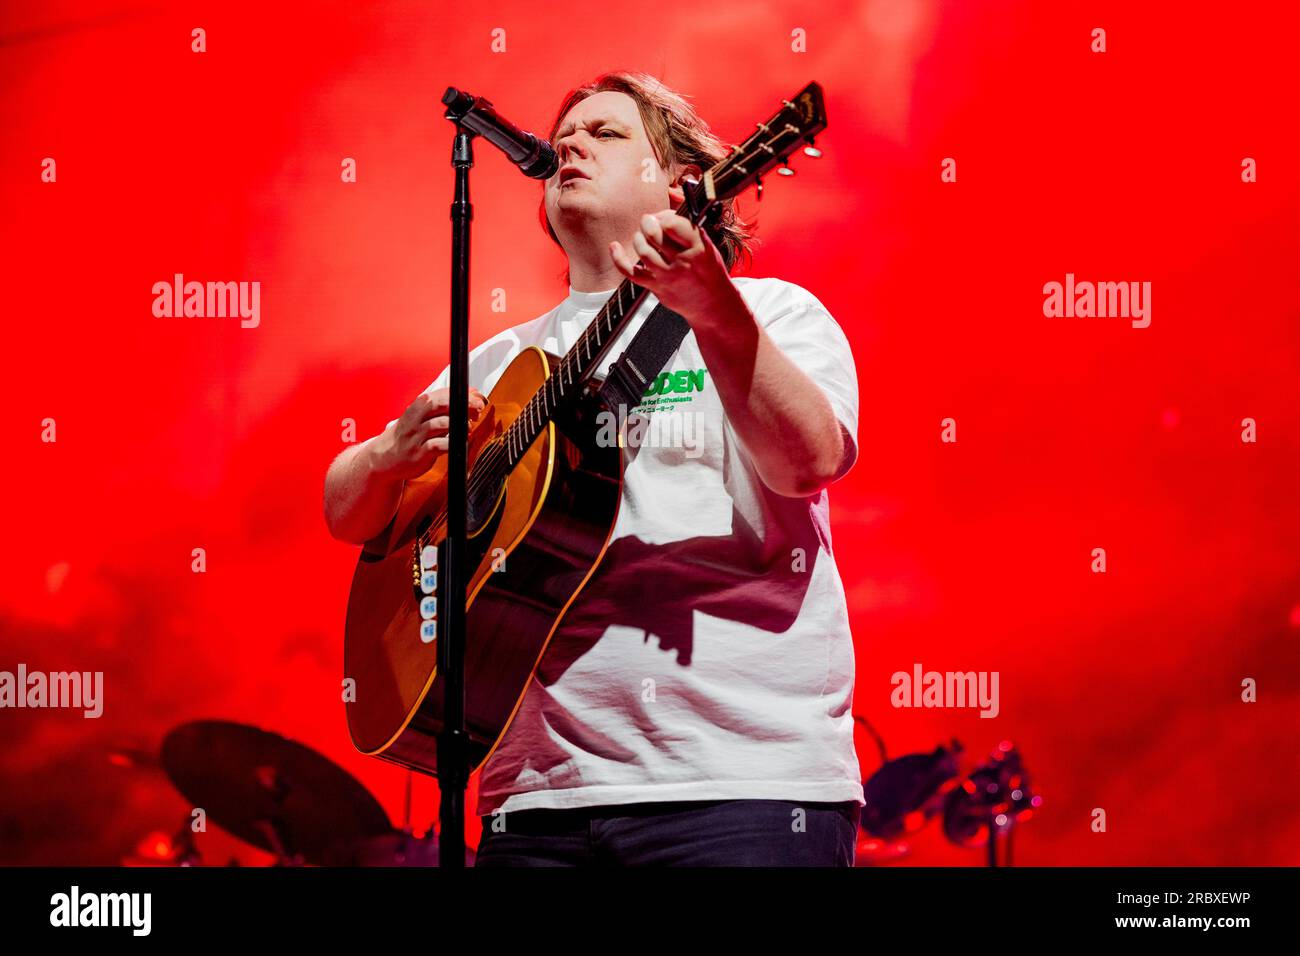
(679, 138)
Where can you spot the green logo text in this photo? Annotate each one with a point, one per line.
(683, 381)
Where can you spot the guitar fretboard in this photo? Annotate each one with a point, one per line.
(573, 371)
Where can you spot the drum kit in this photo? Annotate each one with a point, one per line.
(274, 794)
(294, 803)
(978, 809)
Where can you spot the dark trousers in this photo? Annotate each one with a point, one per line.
(687, 833)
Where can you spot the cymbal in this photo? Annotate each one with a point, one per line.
(269, 791)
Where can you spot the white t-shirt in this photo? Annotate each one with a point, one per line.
(709, 657)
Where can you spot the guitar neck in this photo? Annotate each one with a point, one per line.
(578, 364)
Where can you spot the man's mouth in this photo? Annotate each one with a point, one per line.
(570, 174)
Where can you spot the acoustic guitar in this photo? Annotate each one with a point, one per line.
(543, 498)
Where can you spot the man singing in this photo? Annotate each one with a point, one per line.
(693, 706)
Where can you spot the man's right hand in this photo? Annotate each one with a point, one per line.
(410, 446)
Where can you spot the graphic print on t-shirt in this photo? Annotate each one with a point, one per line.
(672, 388)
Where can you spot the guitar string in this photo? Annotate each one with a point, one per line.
(485, 471)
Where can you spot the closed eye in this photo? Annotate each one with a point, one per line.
(599, 133)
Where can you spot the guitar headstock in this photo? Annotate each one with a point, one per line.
(792, 126)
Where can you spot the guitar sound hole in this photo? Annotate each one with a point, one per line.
(483, 494)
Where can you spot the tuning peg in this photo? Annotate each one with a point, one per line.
(784, 169)
(811, 150)
(758, 182)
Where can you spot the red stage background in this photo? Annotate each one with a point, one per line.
(1123, 689)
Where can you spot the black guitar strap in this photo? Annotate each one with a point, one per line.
(645, 357)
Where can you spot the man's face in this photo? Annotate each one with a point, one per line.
(603, 138)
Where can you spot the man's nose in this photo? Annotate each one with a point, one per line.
(568, 146)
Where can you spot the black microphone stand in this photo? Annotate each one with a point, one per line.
(453, 749)
(473, 116)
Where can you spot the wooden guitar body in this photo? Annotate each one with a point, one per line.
(534, 541)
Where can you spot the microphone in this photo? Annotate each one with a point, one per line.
(535, 157)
